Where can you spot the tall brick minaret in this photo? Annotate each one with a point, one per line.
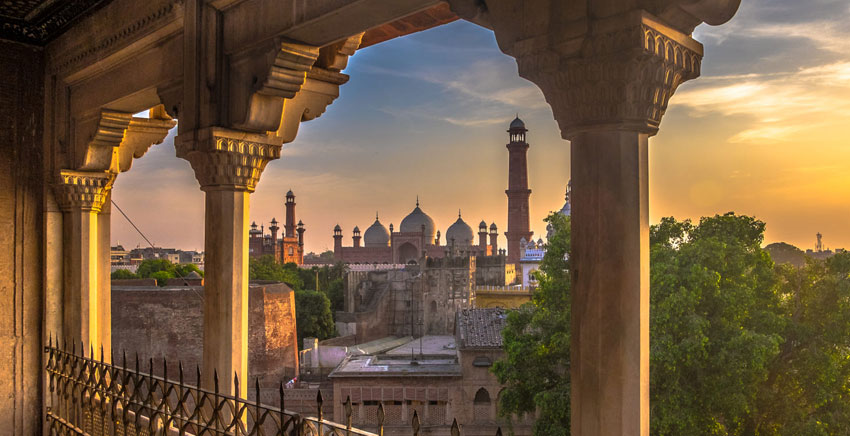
(517, 191)
(289, 226)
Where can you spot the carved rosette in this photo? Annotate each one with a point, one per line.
(83, 190)
(228, 160)
(620, 80)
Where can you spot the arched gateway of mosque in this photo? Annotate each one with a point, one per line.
(240, 76)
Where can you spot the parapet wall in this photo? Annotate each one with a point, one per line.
(168, 323)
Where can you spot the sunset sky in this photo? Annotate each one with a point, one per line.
(763, 131)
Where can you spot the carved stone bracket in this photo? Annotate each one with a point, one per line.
(228, 160)
(83, 190)
(261, 79)
(320, 88)
(120, 137)
(621, 79)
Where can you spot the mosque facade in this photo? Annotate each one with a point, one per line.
(417, 237)
(289, 247)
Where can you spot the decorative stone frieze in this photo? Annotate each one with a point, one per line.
(622, 79)
(228, 160)
(83, 190)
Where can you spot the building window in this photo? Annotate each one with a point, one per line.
(482, 407)
(291, 251)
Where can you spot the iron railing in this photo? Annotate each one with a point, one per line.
(88, 396)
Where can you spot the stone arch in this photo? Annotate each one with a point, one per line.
(408, 253)
(482, 406)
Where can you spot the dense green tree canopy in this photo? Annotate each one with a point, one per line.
(266, 268)
(120, 274)
(738, 345)
(313, 316)
(536, 371)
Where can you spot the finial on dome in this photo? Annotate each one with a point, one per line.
(376, 215)
(458, 213)
(417, 200)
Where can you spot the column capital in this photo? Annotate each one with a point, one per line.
(226, 159)
(618, 76)
(83, 190)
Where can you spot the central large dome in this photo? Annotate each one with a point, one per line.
(414, 221)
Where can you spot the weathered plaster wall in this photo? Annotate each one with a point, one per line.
(168, 322)
(21, 269)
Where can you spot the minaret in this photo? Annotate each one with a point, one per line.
(518, 192)
(494, 239)
(482, 237)
(274, 228)
(337, 241)
(356, 237)
(289, 227)
(300, 233)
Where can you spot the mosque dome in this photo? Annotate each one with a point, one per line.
(376, 235)
(517, 123)
(459, 232)
(414, 221)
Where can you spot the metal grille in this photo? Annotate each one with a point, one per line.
(91, 397)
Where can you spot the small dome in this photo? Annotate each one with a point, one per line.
(517, 124)
(376, 235)
(356, 229)
(414, 221)
(460, 233)
(337, 228)
(290, 194)
(482, 225)
(493, 226)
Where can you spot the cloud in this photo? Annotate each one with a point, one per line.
(780, 105)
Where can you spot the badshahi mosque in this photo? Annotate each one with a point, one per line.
(417, 237)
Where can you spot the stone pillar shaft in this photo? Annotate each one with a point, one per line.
(228, 165)
(610, 293)
(86, 302)
(226, 288)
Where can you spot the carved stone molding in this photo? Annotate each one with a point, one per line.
(320, 88)
(228, 160)
(621, 79)
(170, 11)
(261, 80)
(83, 190)
(120, 137)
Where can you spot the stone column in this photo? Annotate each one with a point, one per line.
(228, 165)
(86, 311)
(608, 96)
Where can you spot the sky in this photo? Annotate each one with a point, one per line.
(762, 132)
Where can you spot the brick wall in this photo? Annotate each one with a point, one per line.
(168, 322)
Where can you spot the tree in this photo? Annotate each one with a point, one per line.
(122, 274)
(150, 266)
(807, 388)
(715, 324)
(183, 269)
(266, 268)
(161, 277)
(313, 316)
(535, 370)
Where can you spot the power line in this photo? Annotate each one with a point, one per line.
(192, 288)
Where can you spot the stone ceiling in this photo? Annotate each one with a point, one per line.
(39, 21)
